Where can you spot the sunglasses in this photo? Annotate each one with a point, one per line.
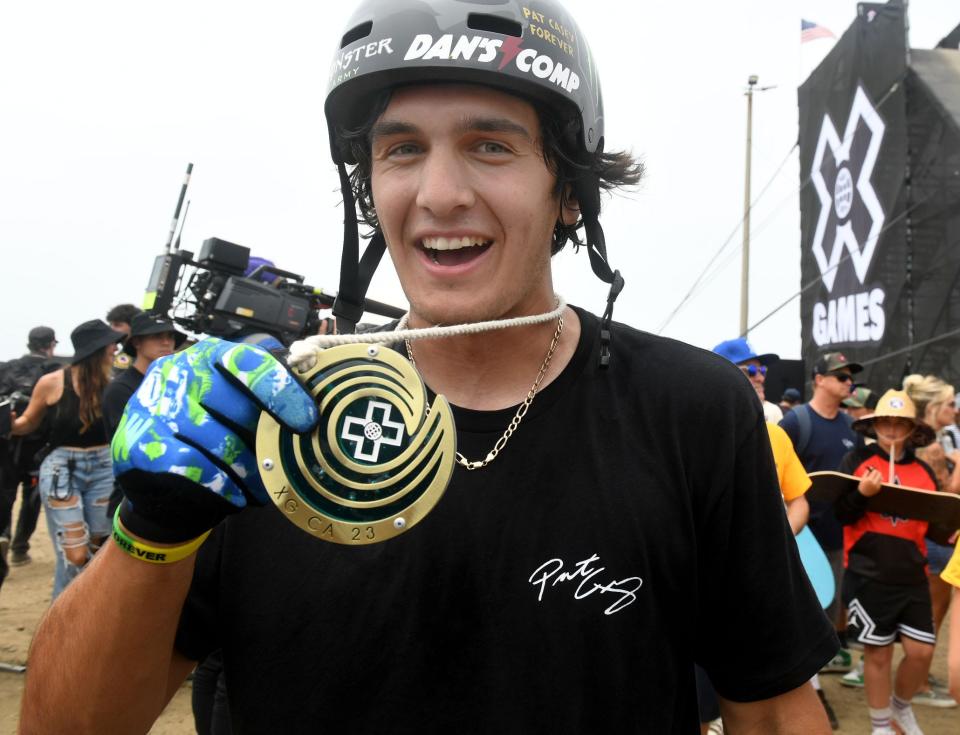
(842, 377)
(752, 370)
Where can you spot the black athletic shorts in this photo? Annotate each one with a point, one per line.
(878, 614)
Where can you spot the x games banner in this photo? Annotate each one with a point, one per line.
(853, 167)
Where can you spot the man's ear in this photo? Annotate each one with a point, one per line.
(569, 207)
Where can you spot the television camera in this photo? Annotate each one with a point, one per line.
(221, 295)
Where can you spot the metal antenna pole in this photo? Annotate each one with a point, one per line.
(745, 266)
(183, 223)
(176, 213)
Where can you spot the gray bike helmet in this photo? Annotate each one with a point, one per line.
(532, 48)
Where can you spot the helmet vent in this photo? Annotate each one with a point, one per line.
(356, 33)
(494, 24)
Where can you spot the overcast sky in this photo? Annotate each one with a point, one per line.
(104, 103)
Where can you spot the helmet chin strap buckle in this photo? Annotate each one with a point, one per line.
(615, 288)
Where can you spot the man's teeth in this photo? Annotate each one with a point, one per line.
(453, 243)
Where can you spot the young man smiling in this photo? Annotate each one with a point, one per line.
(463, 194)
(586, 552)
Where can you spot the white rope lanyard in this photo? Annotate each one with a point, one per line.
(303, 353)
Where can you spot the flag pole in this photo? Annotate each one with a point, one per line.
(745, 262)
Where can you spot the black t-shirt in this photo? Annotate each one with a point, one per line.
(116, 395)
(632, 526)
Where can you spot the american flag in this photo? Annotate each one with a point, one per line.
(811, 31)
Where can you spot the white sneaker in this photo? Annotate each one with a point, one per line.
(934, 698)
(906, 721)
(883, 731)
(854, 677)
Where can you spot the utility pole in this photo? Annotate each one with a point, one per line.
(745, 265)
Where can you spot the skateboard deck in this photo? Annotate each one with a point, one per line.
(817, 566)
(942, 509)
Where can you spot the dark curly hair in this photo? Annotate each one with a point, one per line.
(122, 313)
(563, 158)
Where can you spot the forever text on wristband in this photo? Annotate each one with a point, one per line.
(153, 554)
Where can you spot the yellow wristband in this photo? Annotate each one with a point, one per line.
(153, 554)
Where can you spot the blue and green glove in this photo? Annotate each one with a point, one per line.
(184, 450)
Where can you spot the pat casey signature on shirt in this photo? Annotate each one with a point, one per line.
(552, 572)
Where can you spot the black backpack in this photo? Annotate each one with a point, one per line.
(18, 377)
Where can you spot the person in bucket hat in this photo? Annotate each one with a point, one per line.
(885, 586)
(76, 475)
(895, 419)
(154, 336)
(91, 337)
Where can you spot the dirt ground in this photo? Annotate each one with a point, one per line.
(23, 599)
(26, 594)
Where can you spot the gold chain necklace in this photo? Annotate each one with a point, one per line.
(521, 411)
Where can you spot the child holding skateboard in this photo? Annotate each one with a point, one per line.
(885, 585)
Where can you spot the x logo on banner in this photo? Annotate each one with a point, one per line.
(850, 212)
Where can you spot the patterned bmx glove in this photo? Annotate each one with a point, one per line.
(184, 450)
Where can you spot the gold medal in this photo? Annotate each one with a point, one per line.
(378, 461)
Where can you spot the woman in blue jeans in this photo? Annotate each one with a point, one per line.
(76, 476)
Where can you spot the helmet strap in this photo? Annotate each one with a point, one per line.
(355, 272)
(587, 191)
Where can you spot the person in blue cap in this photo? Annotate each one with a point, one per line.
(754, 366)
